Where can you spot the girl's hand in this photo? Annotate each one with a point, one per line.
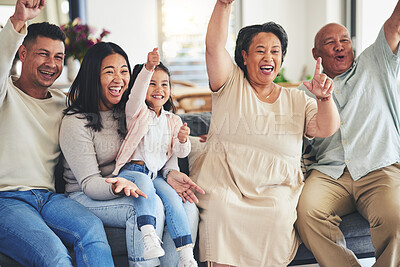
(321, 85)
(153, 60)
(129, 188)
(183, 133)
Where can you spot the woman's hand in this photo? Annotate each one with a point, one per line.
(321, 85)
(183, 185)
(153, 60)
(129, 188)
(183, 133)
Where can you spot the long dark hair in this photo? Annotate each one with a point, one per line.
(85, 93)
(245, 37)
(169, 105)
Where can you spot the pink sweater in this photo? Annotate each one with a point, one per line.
(137, 120)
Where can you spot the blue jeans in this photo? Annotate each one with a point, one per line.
(177, 220)
(34, 225)
(120, 212)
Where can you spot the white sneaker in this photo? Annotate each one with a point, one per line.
(152, 246)
(190, 263)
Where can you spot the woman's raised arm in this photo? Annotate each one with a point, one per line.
(219, 62)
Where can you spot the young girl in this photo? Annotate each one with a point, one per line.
(154, 134)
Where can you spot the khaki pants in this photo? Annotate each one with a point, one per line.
(376, 196)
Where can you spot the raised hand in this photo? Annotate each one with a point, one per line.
(153, 60)
(321, 85)
(183, 133)
(183, 185)
(129, 189)
(26, 10)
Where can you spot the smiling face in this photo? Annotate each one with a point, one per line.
(333, 45)
(159, 91)
(264, 59)
(42, 62)
(114, 79)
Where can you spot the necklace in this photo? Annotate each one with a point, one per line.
(273, 89)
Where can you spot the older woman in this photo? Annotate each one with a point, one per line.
(250, 169)
(92, 131)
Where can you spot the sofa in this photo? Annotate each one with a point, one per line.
(354, 227)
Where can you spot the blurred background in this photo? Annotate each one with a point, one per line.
(178, 27)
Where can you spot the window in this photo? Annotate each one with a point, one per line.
(6, 11)
(182, 31)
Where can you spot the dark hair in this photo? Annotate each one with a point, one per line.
(85, 93)
(246, 35)
(169, 105)
(44, 29)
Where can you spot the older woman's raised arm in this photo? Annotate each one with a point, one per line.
(219, 62)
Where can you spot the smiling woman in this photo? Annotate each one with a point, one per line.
(105, 62)
(114, 79)
(91, 134)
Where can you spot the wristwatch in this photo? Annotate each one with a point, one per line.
(166, 173)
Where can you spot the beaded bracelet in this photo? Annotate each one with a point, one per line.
(324, 98)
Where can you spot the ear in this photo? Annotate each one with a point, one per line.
(22, 53)
(314, 53)
(244, 55)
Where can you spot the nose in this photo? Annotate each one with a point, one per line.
(117, 77)
(268, 57)
(51, 62)
(338, 47)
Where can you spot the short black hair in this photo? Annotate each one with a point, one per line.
(44, 29)
(85, 93)
(246, 35)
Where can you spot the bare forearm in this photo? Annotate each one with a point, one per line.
(327, 119)
(392, 29)
(217, 58)
(217, 31)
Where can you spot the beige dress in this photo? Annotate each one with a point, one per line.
(250, 171)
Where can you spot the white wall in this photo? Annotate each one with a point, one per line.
(133, 24)
(370, 17)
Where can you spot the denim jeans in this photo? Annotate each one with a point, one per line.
(34, 225)
(176, 218)
(120, 212)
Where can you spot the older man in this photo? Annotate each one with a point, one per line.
(357, 168)
(36, 222)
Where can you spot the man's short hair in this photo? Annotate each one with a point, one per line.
(44, 29)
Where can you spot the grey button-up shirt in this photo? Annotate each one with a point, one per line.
(367, 100)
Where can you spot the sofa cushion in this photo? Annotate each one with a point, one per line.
(356, 232)
(197, 122)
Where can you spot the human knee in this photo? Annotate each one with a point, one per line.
(145, 184)
(191, 210)
(90, 229)
(388, 219)
(306, 209)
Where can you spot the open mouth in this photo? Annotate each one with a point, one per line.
(115, 91)
(267, 69)
(48, 75)
(158, 97)
(339, 58)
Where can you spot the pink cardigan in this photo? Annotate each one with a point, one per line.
(138, 124)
